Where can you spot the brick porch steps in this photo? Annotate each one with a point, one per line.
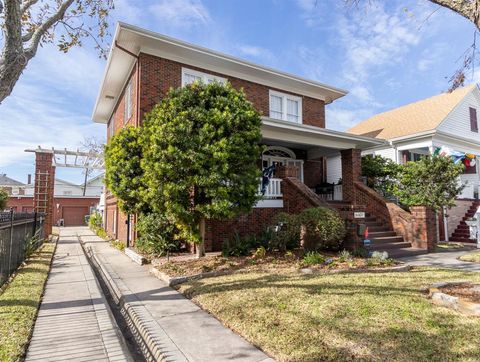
(384, 238)
(462, 232)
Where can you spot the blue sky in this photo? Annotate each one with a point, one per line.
(390, 54)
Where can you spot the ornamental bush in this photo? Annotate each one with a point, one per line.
(324, 228)
(203, 142)
(432, 181)
(123, 171)
(157, 234)
(287, 236)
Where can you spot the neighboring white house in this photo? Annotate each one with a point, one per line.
(446, 120)
(64, 188)
(13, 187)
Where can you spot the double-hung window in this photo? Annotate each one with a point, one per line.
(285, 107)
(128, 102)
(189, 76)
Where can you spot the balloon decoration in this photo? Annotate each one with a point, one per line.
(468, 159)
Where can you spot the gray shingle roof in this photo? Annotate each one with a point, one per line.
(7, 181)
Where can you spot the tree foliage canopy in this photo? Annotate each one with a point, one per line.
(432, 181)
(123, 171)
(194, 158)
(200, 155)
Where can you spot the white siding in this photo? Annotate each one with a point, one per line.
(457, 122)
(386, 153)
(334, 169)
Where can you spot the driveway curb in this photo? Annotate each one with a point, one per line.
(155, 344)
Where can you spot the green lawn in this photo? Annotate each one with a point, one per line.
(473, 257)
(19, 303)
(342, 317)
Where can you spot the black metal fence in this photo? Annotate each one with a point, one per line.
(20, 233)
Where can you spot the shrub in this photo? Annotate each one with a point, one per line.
(95, 221)
(324, 228)
(117, 244)
(260, 253)
(287, 234)
(360, 253)
(344, 256)
(239, 246)
(157, 234)
(313, 258)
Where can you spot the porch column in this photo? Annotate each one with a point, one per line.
(43, 190)
(351, 172)
(424, 227)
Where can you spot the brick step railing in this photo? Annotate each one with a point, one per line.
(462, 231)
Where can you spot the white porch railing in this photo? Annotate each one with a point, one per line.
(274, 189)
(336, 196)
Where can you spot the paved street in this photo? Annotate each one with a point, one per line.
(74, 323)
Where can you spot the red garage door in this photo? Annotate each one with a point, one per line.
(74, 215)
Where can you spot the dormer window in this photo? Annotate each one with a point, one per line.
(189, 76)
(285, 107)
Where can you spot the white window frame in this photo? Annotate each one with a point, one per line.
(128, 102)
(285, 97)
(204, 76)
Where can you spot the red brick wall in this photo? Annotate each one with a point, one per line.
(20, 204)
(424, 227)
(252, 223)
(158, 75)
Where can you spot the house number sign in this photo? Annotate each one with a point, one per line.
(359, 215)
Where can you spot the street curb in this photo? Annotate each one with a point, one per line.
(152, 339)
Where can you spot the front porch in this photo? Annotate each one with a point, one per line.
(304, 150)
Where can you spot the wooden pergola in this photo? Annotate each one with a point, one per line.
(73, 159)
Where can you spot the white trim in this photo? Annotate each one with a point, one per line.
(275, 203)
(285, 98)
(206, 78)
(280, 148)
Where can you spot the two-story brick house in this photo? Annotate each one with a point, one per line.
(142, 66)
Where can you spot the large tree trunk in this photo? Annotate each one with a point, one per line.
(201, 245)
(467, 9)
(13, 59)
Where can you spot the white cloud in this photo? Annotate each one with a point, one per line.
(181, 13)
(312, 11)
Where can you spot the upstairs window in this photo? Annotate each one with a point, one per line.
(473, 120)
(128, 102)
(189, 76)
(285, 107)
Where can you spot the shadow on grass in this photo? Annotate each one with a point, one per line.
(399, 325)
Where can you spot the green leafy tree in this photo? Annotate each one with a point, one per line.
(201, 148)
(432, 181)
(378, 170)
(123, 171)
(3, 199)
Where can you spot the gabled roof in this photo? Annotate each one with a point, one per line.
(7, 181)
(422, 116)
(129, 41)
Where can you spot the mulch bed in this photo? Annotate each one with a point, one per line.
(467, 291)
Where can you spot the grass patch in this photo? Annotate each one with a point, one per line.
(472, 257)
(446, 246)
(342, 317)
(19, 303)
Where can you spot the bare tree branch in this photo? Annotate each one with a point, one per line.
(466, 8)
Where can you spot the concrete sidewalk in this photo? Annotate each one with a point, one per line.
(74, 322)
(167, 323)
(444, 259)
